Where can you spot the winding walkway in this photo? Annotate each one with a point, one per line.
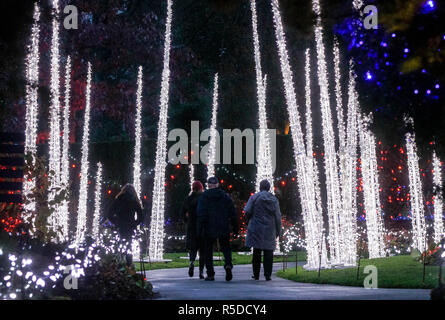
(174, 284)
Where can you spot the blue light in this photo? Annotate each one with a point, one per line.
(369, 76)
(383, 44)
(393, 35)
(406, 50)
(428, 6)
(437, 86)
(428, 91)
(416, 91)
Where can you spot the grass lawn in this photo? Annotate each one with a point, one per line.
(177, 262)
(393, 272)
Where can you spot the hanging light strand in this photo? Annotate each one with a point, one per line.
(97, 202)
(439, 231)
(32, 105)
(138, 134)
(83, 186)
(213, 133)
(156, 246)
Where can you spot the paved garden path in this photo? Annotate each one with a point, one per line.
(174, 284)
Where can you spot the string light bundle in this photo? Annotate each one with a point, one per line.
(264, 162)
(138, 133)
(191, 174)
(97, 202)
(65, 163)
(439, 231)
(371, 187)
(416, 195)
(338, 218)
(211, 158)
(54, 118)
(156, 247)
(305, 177)
(32, 105)
(83, 188)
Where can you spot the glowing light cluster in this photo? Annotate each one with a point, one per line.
(138, 131)
(264, 162)
(311, 216)
(341, 251)
(338, 97)
(156, 246)
(211, 158)
(370, 176)
(416, 195)
(357, 4)
(83, 188)
(439, 231)
(32, 105)
(191, 174)
(97, 202)
(65, 163)
(54, 118)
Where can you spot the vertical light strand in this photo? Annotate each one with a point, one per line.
(138, 133)
(337, 218)
(348, 164)
(32, 105)
(54, 117)
(191, 174)
(65, 162)
(416, 194)
(311, 159)
(264, 162)
(371, 190)
(135, 245)
(156, 246)
(97, 202)
(213, 133)
(439, 231)
(338, 97)
(304, 176)
(83, 185)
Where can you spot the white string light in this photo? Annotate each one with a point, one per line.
(191, 174)
(264, 162)
(211, 158)
(65, 173)
(439, 231)
(338, 230)
(32, 105)
(83, 188)
(416, 195)
(371, 191)
(97, 202)
(54, 118)
(156, 247)
(138, 133)
(311, 216)
(338, 97)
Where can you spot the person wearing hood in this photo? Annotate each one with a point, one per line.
(264, 226)
(125, 214)
(216, 215)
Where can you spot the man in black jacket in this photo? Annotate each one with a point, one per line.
(216, 214)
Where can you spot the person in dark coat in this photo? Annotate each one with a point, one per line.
(264, 227)
(125, 214)
(216, 216)
(194, 242)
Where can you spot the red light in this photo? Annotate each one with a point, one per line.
(222, 181)
(230, 186)
(283, 183)
(73, 165)
(178, 166)
(172, 177)
(109, 191)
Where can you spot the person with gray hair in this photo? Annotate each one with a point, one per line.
(264, 226)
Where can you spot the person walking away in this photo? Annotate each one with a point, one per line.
(264, 227)
(126, 214)
(194, 242)
(216, 215)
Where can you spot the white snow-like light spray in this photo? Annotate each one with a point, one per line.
(65, 162)
(213, 132)
(439, 231)
(371, 191)
(338, 219)
(191, 175)
(54, 118)
(416, 193)
(138, 133)
(305, 178)
(32, 105)
(156, 247)
(264, 162)
(83, 188)
(97, 202)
